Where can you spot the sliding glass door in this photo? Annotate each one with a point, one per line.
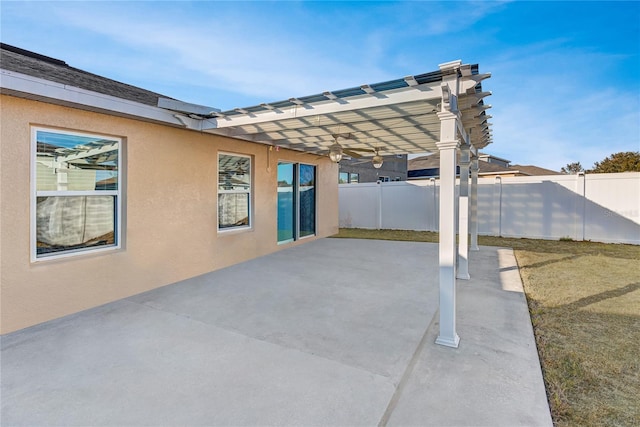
(296, 201)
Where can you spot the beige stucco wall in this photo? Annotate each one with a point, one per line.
(170, 230)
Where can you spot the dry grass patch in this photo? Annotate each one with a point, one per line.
(584, 300)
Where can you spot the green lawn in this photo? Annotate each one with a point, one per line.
(584, 301)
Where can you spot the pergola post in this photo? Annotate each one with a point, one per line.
(448, 146)
(463, 214)
(474, 205)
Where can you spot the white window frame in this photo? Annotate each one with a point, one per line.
(34, 194)
(249, 192)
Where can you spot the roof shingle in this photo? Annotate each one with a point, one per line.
(33, 64)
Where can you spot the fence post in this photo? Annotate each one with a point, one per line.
(379, 205)
(497, 207)
(580, 206)
(434, 204)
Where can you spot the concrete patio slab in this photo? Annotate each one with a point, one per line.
(333, 332)
(494, 377)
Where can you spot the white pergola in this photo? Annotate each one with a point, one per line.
(438, 111)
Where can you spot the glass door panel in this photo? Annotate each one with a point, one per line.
(286, 202)
(307, 192)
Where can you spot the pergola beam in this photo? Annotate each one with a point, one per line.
(409, 94)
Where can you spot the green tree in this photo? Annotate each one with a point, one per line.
(626, 161)
(572, 168)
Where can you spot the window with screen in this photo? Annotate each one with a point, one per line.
(76, 201)
(234, 191)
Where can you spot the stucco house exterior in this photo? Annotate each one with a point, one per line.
(100, 204)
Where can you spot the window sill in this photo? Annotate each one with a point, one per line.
(234, 230)
(75, 254)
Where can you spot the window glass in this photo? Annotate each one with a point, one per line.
(307, 196)
(234, 191)
(343, 178)
(286, 202)
(74, 222)
(77, 192)
(68, 162)
(354, 178)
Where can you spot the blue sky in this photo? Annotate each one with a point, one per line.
(565, 75)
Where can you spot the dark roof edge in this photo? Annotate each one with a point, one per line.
(31, 54)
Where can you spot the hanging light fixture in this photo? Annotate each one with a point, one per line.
(335, 152)
(377, 161)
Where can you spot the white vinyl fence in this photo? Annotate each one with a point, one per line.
(597, 207)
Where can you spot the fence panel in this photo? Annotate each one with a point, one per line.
(539, 208)
(359, 205)
(401, 202)
(612, 208)
(599, 207)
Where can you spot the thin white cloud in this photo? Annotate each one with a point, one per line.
(271, 57)
(265, 64)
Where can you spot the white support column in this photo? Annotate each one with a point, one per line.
(447, 146)
(463, 215)
(474, 205)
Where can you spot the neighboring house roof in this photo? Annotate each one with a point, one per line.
(424, 162)
(534, 170)
(33, 64)
(490, 157)
(428, 166)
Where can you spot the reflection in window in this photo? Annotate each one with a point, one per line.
(307, 197)
(234, 191)
(286, 202)
(77, 192)
(348, 178)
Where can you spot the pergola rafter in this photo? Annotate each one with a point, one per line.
(399, 115)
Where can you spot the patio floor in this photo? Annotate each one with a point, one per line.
(334, 332)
